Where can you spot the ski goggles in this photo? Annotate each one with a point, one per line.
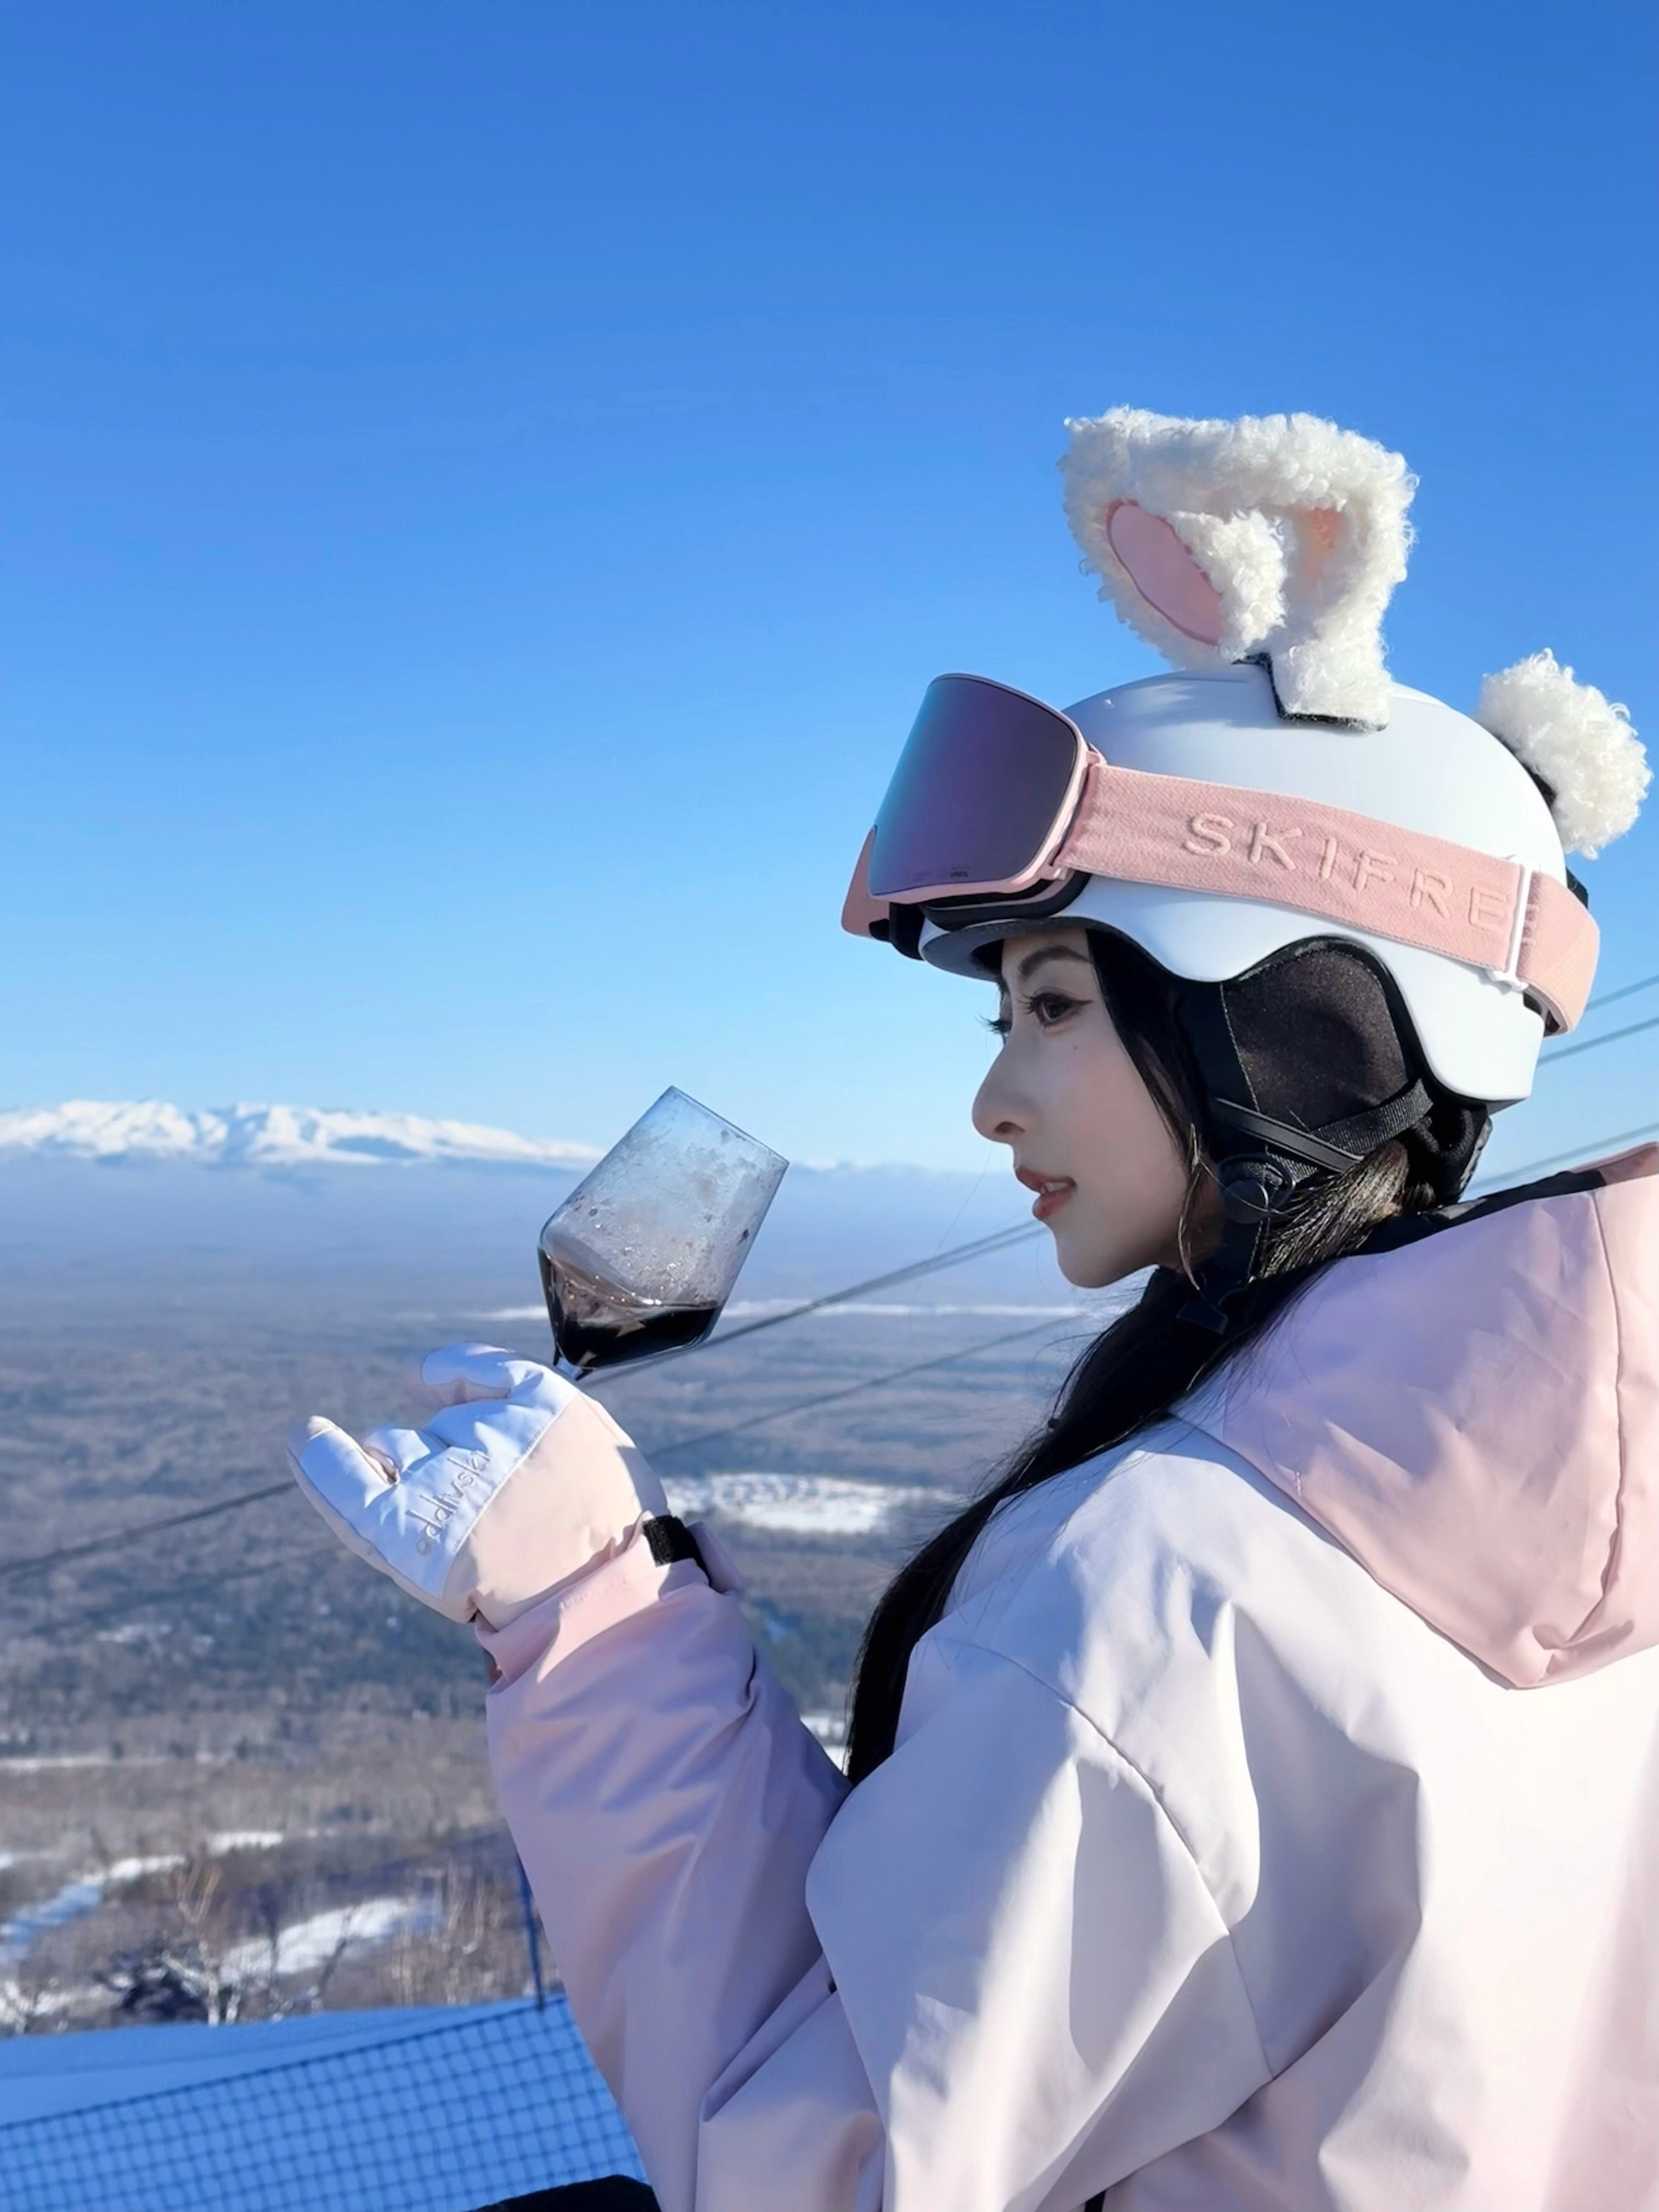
(1000, 806)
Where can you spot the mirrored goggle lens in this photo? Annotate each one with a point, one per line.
(978, 792)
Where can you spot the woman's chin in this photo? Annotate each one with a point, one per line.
(1094, 1262)
(1087, 1269)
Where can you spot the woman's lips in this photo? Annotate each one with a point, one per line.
(1052, 1192)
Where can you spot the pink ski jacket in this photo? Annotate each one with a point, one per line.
(1275, 1820)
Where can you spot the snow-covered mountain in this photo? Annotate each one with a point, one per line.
(267, 1137)
(110, 1209)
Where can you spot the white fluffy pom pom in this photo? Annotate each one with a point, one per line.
(1574, 739)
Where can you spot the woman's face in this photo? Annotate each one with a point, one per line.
(1066, 1098)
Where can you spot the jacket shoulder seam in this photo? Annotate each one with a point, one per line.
(1157, 1797)
(1620, 1363)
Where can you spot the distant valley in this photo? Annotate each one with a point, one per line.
(175, 1289)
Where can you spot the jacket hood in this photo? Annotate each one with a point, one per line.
(1473, 1413)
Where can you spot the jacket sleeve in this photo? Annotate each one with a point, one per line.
(997, 1980)
(666, 1802)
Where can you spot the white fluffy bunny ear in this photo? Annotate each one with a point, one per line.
(1276, 534)
(1577, 744)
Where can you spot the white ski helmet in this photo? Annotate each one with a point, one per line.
(1305, 797)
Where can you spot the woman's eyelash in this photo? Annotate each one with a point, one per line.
(1057, 1004)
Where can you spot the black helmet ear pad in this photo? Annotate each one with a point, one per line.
(1316, 1038)
(1316, 1035)
(1323, 1037)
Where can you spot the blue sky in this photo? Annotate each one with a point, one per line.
(483, 487)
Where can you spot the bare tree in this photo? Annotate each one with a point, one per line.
(197, 1887)
(22, 1996)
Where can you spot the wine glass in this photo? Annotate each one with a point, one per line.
(642, 1256)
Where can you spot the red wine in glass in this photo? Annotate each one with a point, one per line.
(641, 1257)
(598, 1323)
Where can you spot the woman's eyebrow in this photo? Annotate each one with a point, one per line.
(1027, 967)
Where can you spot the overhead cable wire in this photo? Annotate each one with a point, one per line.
(1606, 999)
(989, 1344)
(1625, 991)
(67, 1553)
(848, 1390)
(657, 1451)
(1000, 1240)
(1590, 1044)
(979, 1247)
(1593, 1151)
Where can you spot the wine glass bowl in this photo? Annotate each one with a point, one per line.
(642, 1256)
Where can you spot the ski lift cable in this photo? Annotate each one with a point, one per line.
(848, 1390)
(1598, 1150)
(979, 1247)
(656, 1452)
(1000, 1240)
(66, 1553)
(1625, 991)
(660, 1451)
(1003, 1240)
(1590, 1044)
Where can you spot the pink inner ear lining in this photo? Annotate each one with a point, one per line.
(1164, 572)
(1320, 528)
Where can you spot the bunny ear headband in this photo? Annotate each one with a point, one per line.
(1280, 537)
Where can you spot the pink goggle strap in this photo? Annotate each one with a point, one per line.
(1373, 876)
(1325, 862)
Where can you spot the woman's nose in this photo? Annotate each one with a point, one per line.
(998, 1113)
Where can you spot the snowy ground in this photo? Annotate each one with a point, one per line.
(824, 1505)
(287, 1953)
(306, 1945)
(85, 1892)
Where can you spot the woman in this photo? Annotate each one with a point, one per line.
(1254, 1796)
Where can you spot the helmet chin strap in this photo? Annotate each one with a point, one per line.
(1253, 1190)
(1262, 1164)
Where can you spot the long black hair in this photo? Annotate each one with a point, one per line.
(1150, 1357)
